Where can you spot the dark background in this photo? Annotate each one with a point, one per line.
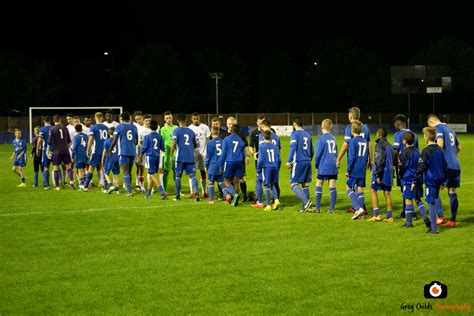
(160, 55)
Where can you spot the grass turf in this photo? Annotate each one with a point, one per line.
(76, 252)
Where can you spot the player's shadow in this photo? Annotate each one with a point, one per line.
(468, 221)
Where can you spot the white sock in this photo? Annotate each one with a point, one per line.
(191, 185)
(160, 176)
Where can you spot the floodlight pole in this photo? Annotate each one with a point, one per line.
(217, 76)
(409, 106)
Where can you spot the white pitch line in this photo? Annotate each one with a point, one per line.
(90, 210)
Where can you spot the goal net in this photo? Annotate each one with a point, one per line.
(37, 112)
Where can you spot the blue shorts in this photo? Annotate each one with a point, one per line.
(126, 160)
(325, 177)
(112, 166)
(301, 172)
(269, 175)
(95, 160)
(407, 193)
(152, 163)
(215, 177)
(233, 169)
(20, 162)
(45, 161)
(453, 178)
(380, 187)
(353, 182)
(188, 167)
(432, 193)
(79, 164)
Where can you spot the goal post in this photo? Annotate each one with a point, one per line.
(70, 108)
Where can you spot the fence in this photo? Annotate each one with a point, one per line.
(8, 124)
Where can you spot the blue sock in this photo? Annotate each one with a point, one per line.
(300, 194)
(432, 210)
(439, 207)
(81, 181)
(454, 204)
(161, 190)
(231, 190)
(148, 192)
(318, 193)
(36, 177)
(354, 199)
(306, 191)
(268, 196)
(421, 208)
(409, 213)
(177, 186)
(376, 212)
(60, 177)
(46, 178)
(277, 189)
(106, 184)
(210, 188)
(224, 189)
(361, 199)
(333, 198)
(127, 179)
(88, 178)
(276, 196)
(23, 180)
(259, 190)
(389, 213)
(194, 182)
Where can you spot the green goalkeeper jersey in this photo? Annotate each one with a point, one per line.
(167, 133)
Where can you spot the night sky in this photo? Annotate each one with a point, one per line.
(72, 39)
(68, 34)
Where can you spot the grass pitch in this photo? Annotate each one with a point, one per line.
(90, 253)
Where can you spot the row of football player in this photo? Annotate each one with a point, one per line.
(332, 150)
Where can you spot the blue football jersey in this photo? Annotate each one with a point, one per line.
(19, 146)
(275, 140)
(79, 147)
(326, 155)
(358, 155)
(348, 134)
(152, 145)
(301, 146)
(110, 157)
(185, 143)
(127, 139)
(451, 143)
(268, 155)
(432, 166)
(233, 149)
(407, 165)
(398, 140)
(213, 152)
(44, 134)
(100, 133)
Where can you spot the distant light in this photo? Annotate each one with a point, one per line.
(315, 63)
(422, 80)
(106, 53)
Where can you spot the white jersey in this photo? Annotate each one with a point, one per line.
(86, 129)
(112, 124)
(71, 130)
(202, 136)
(142, 133)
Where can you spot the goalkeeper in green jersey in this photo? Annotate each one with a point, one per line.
(166, 133)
